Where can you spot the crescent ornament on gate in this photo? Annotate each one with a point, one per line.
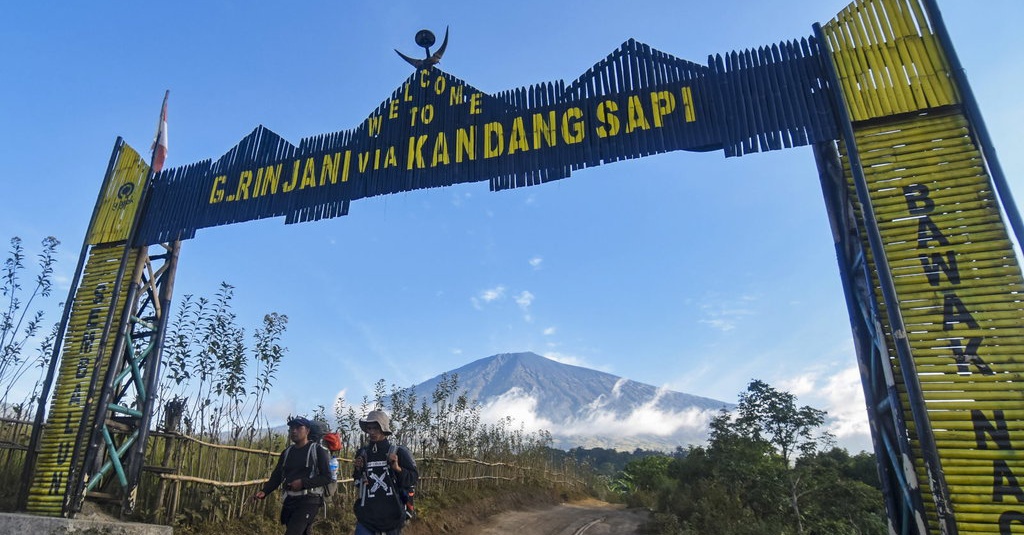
(425, 38)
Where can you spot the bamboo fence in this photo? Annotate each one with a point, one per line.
(188, 480)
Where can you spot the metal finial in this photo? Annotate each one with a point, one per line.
(425, 39)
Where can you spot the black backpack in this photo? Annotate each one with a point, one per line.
(406, 495)
(331, 488)
(317, 430)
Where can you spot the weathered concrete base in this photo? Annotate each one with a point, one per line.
(45, 525)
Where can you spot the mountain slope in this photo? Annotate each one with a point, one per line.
(581, 406)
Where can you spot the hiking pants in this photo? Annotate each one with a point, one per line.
(299, 512)
(363, 530)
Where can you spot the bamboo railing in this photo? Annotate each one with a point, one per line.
(187, 480)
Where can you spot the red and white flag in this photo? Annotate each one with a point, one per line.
(159, 147)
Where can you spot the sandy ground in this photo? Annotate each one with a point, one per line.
(590, 517)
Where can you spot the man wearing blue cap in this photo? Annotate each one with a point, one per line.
(304, 470)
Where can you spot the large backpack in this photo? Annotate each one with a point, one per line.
(320, 432)
(331, 488)
(406, 495)
(317, 430)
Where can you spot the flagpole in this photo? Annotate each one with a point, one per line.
(136, 457)
(158, 152)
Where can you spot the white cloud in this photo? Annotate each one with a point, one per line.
(617, 388)
(517, 405)
(61, 281)
(572, 360)
(645, 420)
(524, 300)
(549, 331)
(845, 405)
(724, 314)
(840, 394)
(487, 296)
(493, 294)
(338, 400)
(278, 411)
(799, 385)
(720, 324)
(535, 262)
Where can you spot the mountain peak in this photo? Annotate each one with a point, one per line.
(573, 402)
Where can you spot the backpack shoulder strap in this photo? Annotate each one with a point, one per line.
(316, 456)
(311, 459)
(400, 495)
(392, 448)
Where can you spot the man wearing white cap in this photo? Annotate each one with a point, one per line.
(383, 472)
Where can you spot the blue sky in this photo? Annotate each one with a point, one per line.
(689, 271)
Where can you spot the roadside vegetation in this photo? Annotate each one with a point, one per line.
(768, 467)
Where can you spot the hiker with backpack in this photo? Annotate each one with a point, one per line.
(384, 474)
(304, 469)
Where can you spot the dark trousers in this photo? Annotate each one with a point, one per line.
(299, 512)
(363, 530)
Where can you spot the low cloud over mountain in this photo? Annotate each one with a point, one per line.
(580, 406)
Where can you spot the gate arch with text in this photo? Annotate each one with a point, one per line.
(917, 201)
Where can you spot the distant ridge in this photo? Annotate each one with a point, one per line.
(581, 406)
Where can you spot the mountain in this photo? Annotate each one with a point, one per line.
(581, 406)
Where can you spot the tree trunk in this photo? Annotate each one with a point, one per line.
(794, 502)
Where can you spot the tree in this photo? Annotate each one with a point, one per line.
(646, 479)
(268, 355)
(206, 359)
(766, 414)
(766, 469)
(20, 321)
(842, 502)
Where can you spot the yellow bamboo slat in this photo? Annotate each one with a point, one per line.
(932, 319)
(960, 426)
(968, 385)
(1007, 364)
(990, 281)
(967, 484)
(938, 66)
(981, 259)
(120, 198)
(864, 29)
(992, 247)
(887, 60)
(968, 528)
(59, 437)
(957, 280)
(890, 52)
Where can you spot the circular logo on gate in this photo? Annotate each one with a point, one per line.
(124, 196)
(125, 190)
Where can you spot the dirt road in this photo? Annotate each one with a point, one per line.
(590, 517)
